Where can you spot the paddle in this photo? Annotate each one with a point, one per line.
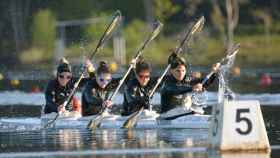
(95, 122)
(197, 26)
(106, 35)
(179, 115)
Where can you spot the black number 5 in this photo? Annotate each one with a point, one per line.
(239, 118)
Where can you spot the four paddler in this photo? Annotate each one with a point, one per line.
(174, 92)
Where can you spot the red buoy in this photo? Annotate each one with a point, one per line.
(265, 80)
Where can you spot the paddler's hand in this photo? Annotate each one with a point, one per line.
(172, 58)
(61, 108)
(198, 87)
(133, 63)
(145, 101)
(216, 67)
(107, 104)
(89, 66)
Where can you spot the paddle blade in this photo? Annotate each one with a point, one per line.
(95, 123)
(132, 119)
(197, 27)
(233, 51)
(114, 23)
(157, 28)
(51, 122)
(108, 32)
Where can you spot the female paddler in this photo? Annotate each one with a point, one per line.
(138, 88)
(97, 91)
(59, 89)
(177, 87)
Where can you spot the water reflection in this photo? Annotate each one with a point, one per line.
(215, 154)
(69, 139)
(144, 143)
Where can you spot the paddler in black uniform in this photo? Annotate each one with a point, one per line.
(98, 90)
(177, 87)
(138, 88)
(59, 89)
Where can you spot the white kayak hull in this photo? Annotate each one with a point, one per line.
(113, 121)
(191, 121)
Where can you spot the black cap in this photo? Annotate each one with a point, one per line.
(64, 66)
(175, 60)
(142, 65)
(103, 68)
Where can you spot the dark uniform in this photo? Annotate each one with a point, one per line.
(93, 96)
(56, 95)
(136, 96)
(174, 92)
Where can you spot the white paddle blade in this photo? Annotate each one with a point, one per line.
(234, 50)
(116, 20)
(108, 32)
(198, 25)
(157, 28)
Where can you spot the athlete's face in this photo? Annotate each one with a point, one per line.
(64, 78)
(143, 77)
(103, 79)
(179, 72)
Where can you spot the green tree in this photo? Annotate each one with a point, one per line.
(164, 9)
(43, 38)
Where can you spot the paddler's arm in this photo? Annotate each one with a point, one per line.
(210, 80)
(134, 101)
(215, 68)
(91, 98)
(207, 83)
(51, 106)
(174, 89)
(90, 73)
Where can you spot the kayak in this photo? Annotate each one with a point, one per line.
(147, 119)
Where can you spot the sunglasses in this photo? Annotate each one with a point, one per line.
(144, 76)
(104, 79)
(65, 76)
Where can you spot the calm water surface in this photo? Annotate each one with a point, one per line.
(146, 143)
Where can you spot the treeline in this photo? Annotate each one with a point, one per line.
(28, 32)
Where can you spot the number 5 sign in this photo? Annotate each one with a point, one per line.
(238, 125)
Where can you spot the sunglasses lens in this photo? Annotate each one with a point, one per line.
(144, 76)
(65, 77)
(104, 80)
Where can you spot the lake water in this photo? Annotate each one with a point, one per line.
(122, 143)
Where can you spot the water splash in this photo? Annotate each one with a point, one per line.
(201, 98)
(224, 90)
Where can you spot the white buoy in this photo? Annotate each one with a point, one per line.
(238, 126)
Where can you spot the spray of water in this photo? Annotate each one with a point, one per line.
(224, 90)
(201, 98)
